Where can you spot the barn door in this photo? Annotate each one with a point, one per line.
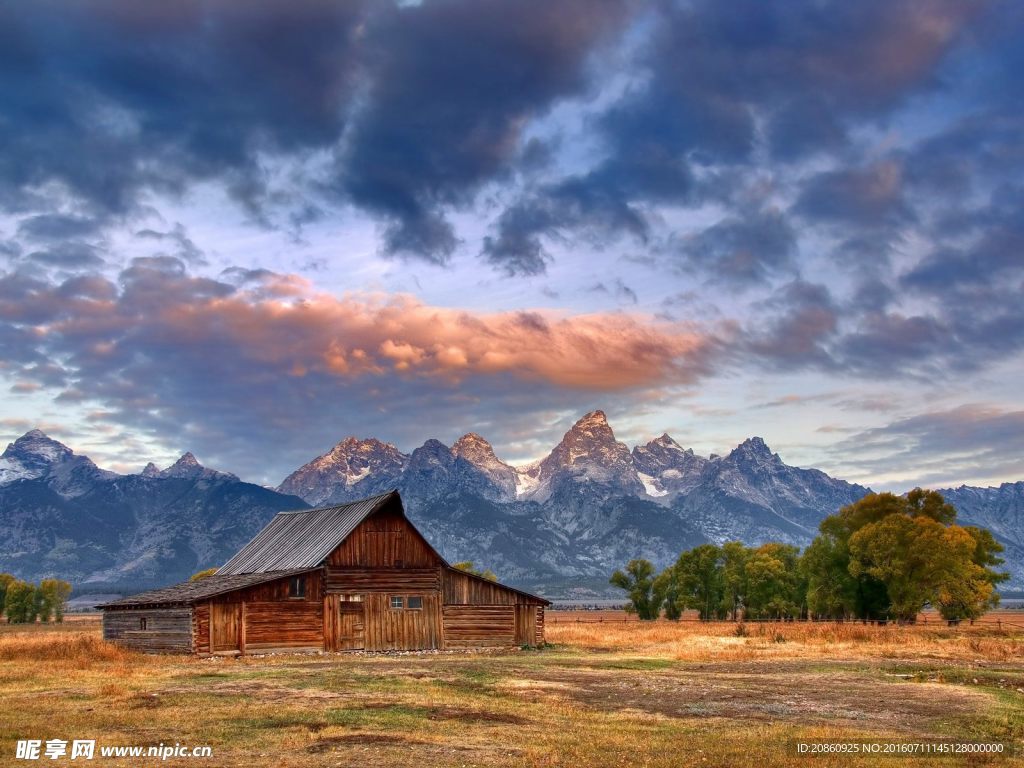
(225, 626)
(526, 625)
(352, 626)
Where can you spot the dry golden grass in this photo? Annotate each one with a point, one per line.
(660, 694)
(76, 647)
(689, 641)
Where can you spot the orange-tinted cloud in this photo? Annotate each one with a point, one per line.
(360, 335)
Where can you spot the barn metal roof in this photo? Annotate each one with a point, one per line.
(193, 591)
(303, 539)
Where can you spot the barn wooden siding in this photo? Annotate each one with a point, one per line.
(168, 630)
(462, 588)
(477, 626)
(263, 618)
(385, 540)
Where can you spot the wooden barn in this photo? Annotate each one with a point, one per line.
(347, 578)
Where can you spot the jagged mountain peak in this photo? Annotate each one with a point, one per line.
(471, 441)
(151, 470)
(37, 444)
(189, 468)
(754, 447)
(36, 455)
(588, 454)
(188, 459)
(667, 441)
(352, 469)
(476, 450)
(667, 467)
(595, 422)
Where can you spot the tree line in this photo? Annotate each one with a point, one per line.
(883, 557)
(23, 602)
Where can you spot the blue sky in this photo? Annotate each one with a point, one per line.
(250, 230)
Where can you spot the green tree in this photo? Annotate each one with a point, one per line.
(645, 595)
(901, 553)
(734, 578)
(55, 594)
(6, 580)
(204, 574)
(35, 612)
(699, 575)
(468, 567)
(774, 582)
(667, 583)
(831, 589)
(20, 599)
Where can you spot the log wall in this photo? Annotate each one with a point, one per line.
(289, 625)
(168, 630)
(382, 579)
(475, 626)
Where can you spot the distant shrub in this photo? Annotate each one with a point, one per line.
(741, 630)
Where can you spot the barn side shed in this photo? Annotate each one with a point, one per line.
(357, 576)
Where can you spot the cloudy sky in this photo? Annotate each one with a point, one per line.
(252, 229)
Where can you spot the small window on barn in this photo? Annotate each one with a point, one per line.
(297, 587)
(396, 601)
(414, 602)
(399, 563)
(142, 623)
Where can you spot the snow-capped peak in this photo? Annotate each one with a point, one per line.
(36, 455)
(36, 445)
(350, 470)
(588, 452)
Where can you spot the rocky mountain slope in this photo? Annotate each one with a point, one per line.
(61, 516)
(1001, 510)
(557, 525)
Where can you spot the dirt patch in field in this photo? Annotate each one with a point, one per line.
(474, 716)
(376, 739)
(455, 713)
(259, 690)
(811, 698)
(145, 701)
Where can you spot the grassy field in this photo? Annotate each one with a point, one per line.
(604, 693)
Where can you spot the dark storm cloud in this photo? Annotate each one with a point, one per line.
(869, 197)
(423, 105)
(56, 226)
(453, 85)
(603, 203)
(68, 255)
(803, 326)
(802, 321)
(806, 72)
(743, 250)
(111, 98)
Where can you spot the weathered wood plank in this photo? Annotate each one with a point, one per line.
(342, 579)
(167, 630)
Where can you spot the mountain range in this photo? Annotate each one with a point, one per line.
(558, 526)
